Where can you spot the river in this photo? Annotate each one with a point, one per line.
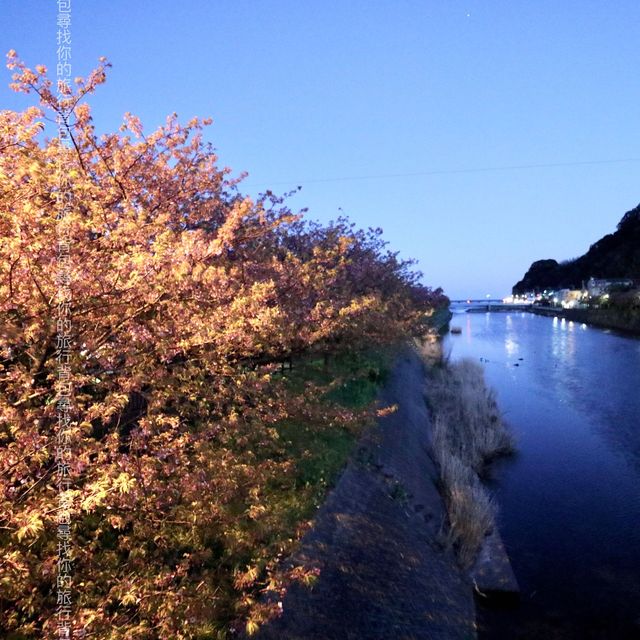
(569, 500)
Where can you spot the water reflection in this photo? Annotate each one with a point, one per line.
(563, 343)
(510, 341)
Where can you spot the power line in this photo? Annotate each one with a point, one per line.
(435, 172)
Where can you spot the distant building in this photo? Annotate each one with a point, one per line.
(573, 298)
(599, 286)
(568, 298)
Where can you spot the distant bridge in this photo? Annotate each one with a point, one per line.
(480, 301)
(477, 308)
(489, 304)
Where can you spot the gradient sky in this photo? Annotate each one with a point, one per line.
(395, 113)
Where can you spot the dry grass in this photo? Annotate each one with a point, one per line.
(467, 421)
(468, 432)
(470, 509)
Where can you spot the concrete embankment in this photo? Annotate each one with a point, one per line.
(376, 541)
(626, 322)
(439, 321)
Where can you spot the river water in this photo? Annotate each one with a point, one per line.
(569, 500)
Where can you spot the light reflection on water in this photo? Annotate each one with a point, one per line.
(570, 500)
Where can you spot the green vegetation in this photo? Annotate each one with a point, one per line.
(317, 445)
(468, 433)
(353, 378)
(313, 448)
(351, 381)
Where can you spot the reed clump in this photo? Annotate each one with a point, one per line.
(468, 432)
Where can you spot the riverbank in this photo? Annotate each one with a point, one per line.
(391, 546)
(377, 543)
(625, 322)
(468, 433)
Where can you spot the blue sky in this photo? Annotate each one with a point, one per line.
(392, 112)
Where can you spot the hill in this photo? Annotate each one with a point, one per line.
(616, 255)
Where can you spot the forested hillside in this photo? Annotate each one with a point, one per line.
(616, 255)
